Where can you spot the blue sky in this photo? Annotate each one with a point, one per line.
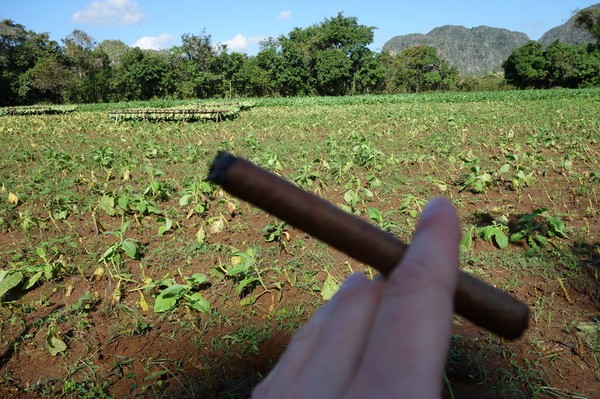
(242, 24)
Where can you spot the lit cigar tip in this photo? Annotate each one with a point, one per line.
(221, 164)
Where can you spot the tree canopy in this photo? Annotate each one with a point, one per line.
(329, 58)
(559, 65)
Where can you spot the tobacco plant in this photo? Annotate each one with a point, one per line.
(197, 196)
(123, 245)
(538, 228)
(495, 232)
(32, 273)
(172, 293)
(242, 269)
(276, 232)
(478, 181)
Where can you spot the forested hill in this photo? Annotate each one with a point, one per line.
(482, 49)
(568, 32)
(474, 51)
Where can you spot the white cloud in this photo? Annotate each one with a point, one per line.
(238, 43)
(153, 42)
(241, 42)
(283, 15)
(110, 13)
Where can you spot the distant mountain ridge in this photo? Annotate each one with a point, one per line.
(474, 51)
(482, 49)
(568, 32)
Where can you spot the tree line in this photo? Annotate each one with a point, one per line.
(329, 58)
(560, 64)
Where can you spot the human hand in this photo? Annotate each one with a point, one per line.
(383, 338)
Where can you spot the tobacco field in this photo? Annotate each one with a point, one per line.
(125, 273)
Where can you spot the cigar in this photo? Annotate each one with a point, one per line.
(482, 304)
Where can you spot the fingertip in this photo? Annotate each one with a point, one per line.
(440, 210)
(433, 253)
(440, 225)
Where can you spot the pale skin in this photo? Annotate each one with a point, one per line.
(386, 338)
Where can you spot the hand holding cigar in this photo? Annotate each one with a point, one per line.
(380, 338)
(475, 300)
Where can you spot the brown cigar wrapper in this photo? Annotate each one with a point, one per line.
(482, 304)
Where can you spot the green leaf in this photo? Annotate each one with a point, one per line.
(108, 253)
(167, 298)
(533, 215)
(155, 186)
(82, 301)
(591, 328)
(330, 287)
(557, 225)
(130, 249)
(142, 207)
(185, 200)
(199, 303)
(199, 208)
(154, 209)
(470, 179)
(234, 271)
(197, 279)
(501, 239)
(165, 227)
(466, 242)
(246, 282)
(124, 227)
(61, 215)
(41, 252)
(33, 279)
(9, 281)
(542, 240)
(123, 202)
(517, 236)
(272, 236)
(49, 269)
(173, 290)
(107, 204)
(374, 214)
(487, 232)
(348, 197)
(351, 198)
